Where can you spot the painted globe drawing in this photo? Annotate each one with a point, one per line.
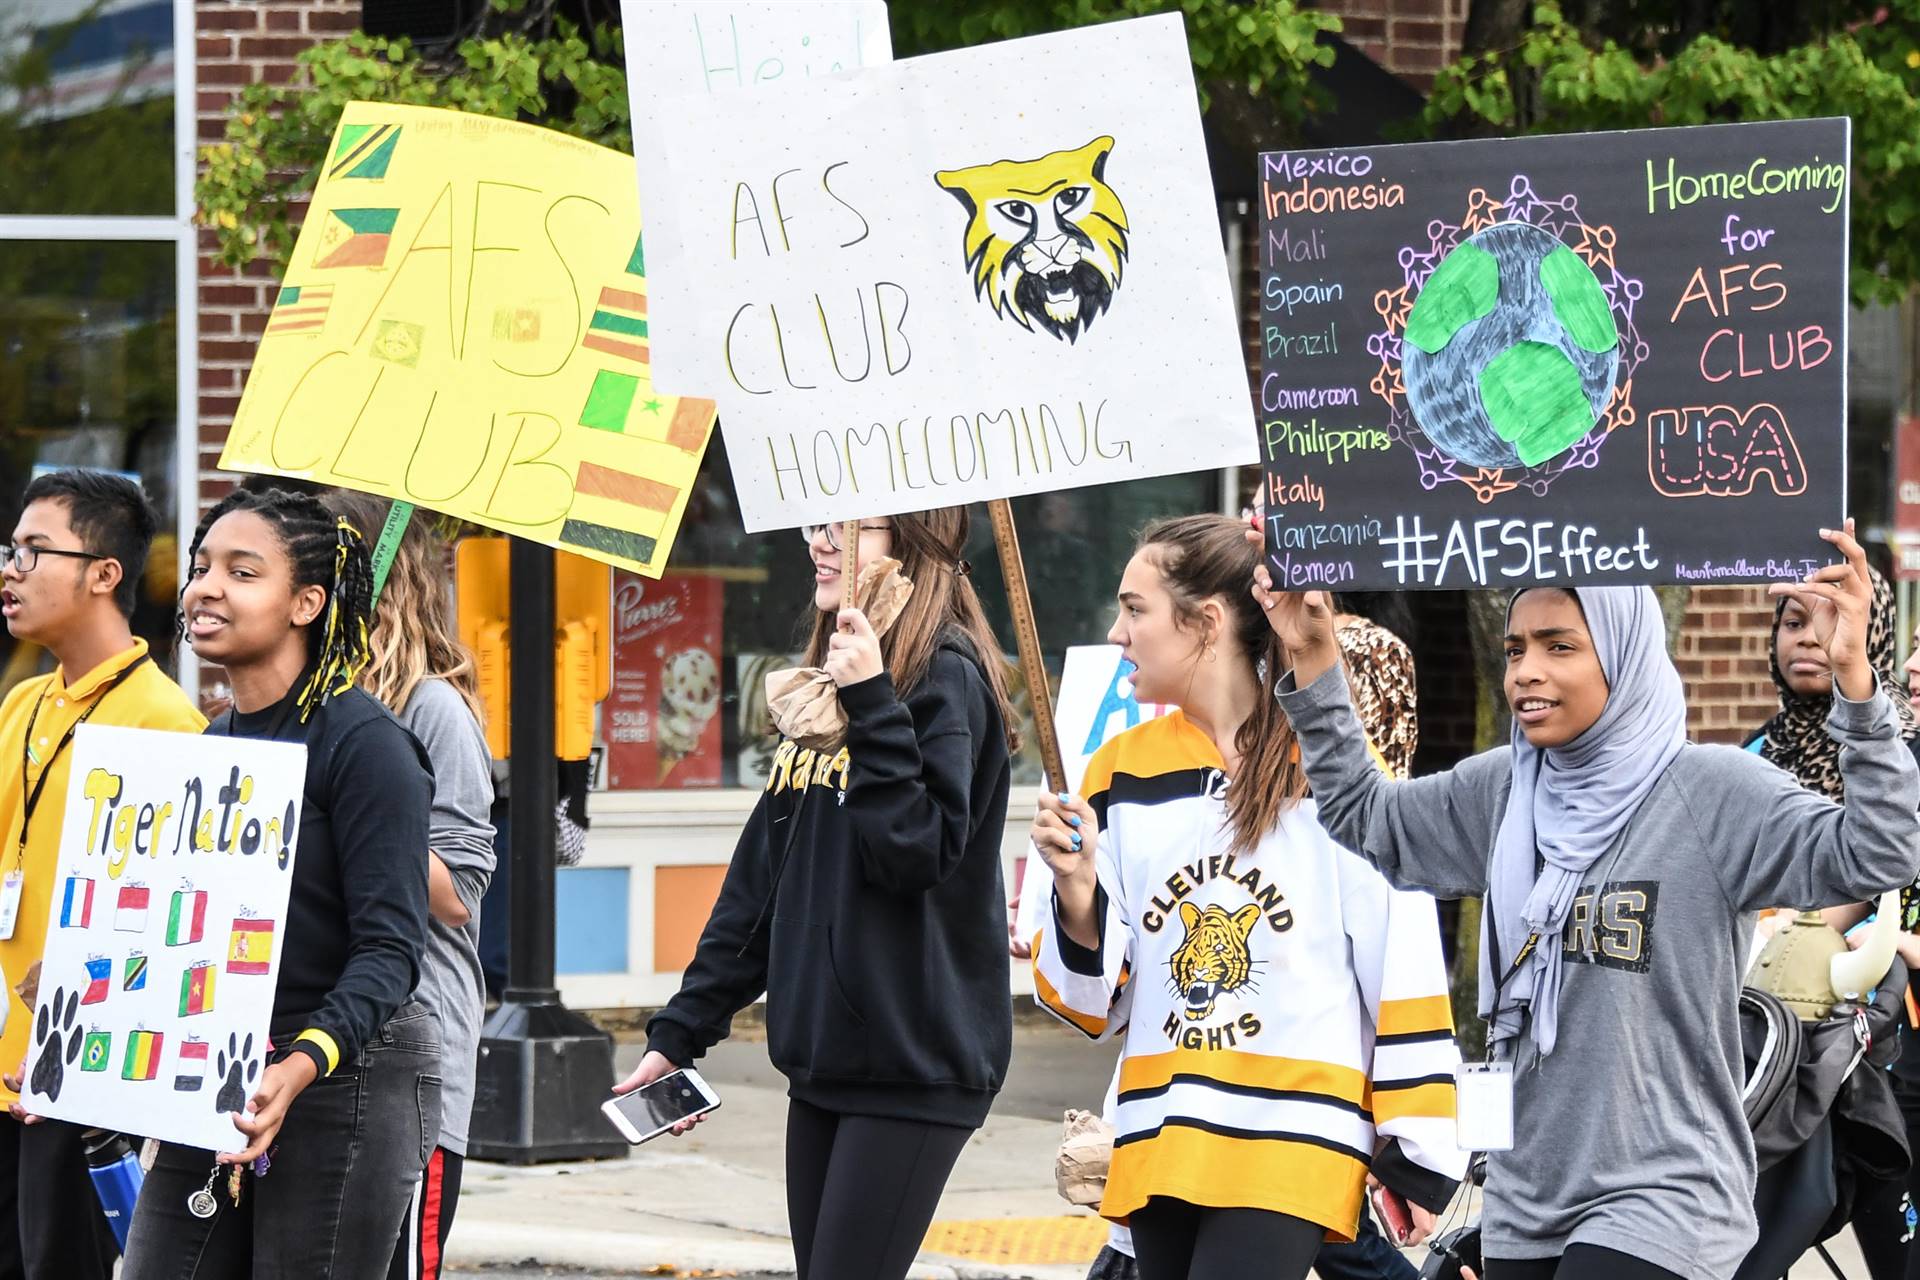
(1510, 350)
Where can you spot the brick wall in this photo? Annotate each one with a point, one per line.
(238, 44)
(1411, 38)
(1723, 659)
(1722, 649)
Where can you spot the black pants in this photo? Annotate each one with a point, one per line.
(1174, 1240)
(1579, 1262)
(422, 1251)
(861, 1191)
(51, 1223)
(345, 1165)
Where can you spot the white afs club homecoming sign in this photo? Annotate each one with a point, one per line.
(924, 285)
(164, 935)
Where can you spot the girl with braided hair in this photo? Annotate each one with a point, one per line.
(346, 1110)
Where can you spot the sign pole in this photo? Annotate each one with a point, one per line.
(1027, 635)
(542, 1066)
(849, 564)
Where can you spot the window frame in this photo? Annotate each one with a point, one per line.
(178, 230)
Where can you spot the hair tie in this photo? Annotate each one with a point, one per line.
(962, 568)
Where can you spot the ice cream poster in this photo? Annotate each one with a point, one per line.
(663, 719)
(165, 930)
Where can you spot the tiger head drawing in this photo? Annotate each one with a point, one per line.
(1213, 959)
(1045, 238)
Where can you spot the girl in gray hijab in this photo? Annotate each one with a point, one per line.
(1621, 868)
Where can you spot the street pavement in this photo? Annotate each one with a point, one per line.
(713, 1203)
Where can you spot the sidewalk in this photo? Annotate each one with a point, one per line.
(714, 1202)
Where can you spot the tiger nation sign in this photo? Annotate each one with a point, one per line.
(934, 281)
(1615, 358)
(165, 911)
(464, 325)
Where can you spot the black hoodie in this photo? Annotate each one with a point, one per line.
(865, 898)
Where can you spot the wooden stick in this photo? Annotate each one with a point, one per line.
(849, 564)
(1026, 634)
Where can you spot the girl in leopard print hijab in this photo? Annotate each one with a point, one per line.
(1796, 737)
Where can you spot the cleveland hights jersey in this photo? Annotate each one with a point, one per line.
(1285, 1010)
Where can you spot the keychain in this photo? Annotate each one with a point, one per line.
(201, 1204)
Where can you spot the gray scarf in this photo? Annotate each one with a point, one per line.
(1569, 805)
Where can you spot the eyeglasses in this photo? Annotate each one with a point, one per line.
(809, 531)
(25, 558)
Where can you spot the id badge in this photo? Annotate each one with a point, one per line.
(10, 888)
(1483, 1106)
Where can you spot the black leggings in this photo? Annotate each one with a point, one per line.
(1174, 1240)
(1883, 1224)
(861, 1191)
(1579, 1262)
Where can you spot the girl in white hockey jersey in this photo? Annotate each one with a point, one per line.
(1287, 1024)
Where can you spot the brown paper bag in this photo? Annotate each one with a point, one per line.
(1086, 1153)
(803, 701)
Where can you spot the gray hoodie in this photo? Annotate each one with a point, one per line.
(1630, 1135)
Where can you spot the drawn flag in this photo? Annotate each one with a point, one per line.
(131, 914)
(134, 977)
(193, 1067)
(143, 1055)
(301, 308)
(356, 237)
(196, 989)
(365, 151)
(99, 980)
(76, 904)
(98, 1051)
(619, 325)
(250, 946)
(187, 917)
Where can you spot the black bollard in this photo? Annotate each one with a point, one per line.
(544, 1070)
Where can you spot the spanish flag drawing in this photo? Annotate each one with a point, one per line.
(196, 989)
(250, 946)
(143, 1055)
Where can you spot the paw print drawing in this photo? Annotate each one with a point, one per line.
(236, 1063)
(59, 1043)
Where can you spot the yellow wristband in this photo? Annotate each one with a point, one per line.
(326, 1045)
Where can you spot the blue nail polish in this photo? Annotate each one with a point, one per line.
(1064, 797)
(1073, 821)
(1076, 844)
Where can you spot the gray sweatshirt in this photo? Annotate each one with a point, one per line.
(462, 834)
(1630, 1135)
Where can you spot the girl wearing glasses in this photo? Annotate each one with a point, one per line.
(865, 899)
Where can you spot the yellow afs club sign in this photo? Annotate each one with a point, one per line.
(463, 326)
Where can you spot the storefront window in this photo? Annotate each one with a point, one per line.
(88, 378)
(735, 607)
(86, 85)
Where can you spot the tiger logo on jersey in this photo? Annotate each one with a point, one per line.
(1213, 959)
(1046, 239)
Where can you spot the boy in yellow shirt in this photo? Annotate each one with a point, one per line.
(67, 583)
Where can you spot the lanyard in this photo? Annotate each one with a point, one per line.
(46, 768)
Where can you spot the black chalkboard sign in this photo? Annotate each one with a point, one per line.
(1583, 359)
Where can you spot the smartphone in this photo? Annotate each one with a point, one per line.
(652, 1109)
(1395, 1219)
